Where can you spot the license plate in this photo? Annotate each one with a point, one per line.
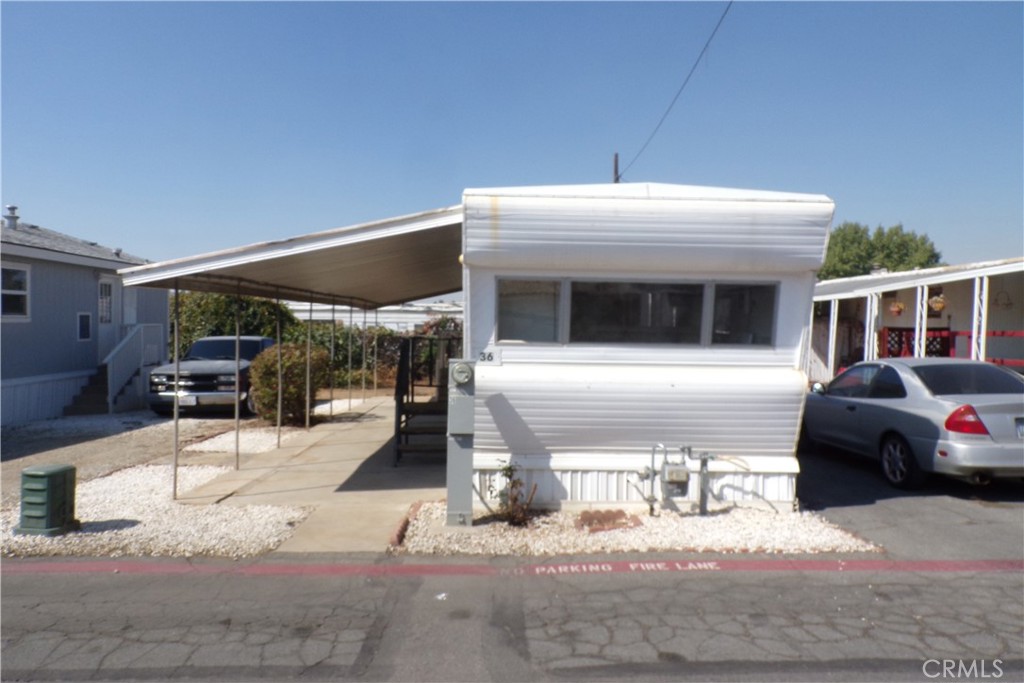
(1020, 427)
(191, 401)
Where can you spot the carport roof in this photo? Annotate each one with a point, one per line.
(862, 285)
(368, 265)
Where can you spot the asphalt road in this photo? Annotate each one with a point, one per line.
(945, 601)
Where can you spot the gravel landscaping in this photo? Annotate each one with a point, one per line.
(733, 530)
(131, 513)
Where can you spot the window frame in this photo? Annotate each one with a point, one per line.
(27, 293)
(564, 312)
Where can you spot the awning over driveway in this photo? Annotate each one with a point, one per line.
(369, 265)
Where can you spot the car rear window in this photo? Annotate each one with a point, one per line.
(969, 378)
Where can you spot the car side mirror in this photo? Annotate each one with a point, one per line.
(818, 388)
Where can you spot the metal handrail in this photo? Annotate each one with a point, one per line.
(139, 348)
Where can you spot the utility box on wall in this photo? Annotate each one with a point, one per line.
(48, 500)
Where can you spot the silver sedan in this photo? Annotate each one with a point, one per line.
(956, 417)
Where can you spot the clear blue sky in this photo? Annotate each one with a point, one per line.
(173, 129)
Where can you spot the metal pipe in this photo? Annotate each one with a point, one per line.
(280, 387)
(309, 361)
(363, 336)
(334, 334)
(350, 313)
(177, 380)
(238, 373)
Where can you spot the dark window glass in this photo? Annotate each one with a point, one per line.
(84, 327)
(853, 383)
(969, 378)
(15, 304)
(15, 279)
(887, 384)
(744, 314)
(636, 312)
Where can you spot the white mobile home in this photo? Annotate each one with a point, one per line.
(607, 319)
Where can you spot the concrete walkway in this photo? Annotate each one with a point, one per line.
(343, 470)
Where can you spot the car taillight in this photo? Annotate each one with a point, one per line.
(965, 420)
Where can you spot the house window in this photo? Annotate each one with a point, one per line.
(15, 292)
(589, 312)
(744, 314)
(636, 313)
(106, 305)
(84, 326)
(528, 310)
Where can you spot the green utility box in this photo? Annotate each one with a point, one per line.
(48, 500)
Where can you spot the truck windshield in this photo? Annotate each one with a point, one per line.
(222, 349)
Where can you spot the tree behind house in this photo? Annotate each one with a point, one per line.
(853, 249)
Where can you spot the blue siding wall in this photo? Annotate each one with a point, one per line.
(48, 344)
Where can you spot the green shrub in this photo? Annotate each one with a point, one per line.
(263, 376)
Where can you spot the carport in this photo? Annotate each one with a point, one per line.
(365, 266)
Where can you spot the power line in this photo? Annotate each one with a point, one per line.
(678, 92)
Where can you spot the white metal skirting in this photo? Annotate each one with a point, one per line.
(42, 397)
(566, 482)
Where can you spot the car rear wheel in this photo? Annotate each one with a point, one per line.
(899, 466)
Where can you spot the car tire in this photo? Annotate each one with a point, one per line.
(899, 466)
(249, 404)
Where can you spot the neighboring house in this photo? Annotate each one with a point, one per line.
(975, 310)
(67, 319)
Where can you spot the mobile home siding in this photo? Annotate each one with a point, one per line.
(693, 231)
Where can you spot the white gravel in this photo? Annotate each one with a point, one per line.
(132, 513)
(733, 530)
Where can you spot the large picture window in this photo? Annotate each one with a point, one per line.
(636, 312)
(528, 310)
(15, 292)
(588, 312)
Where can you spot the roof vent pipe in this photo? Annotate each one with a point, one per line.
(11, 218)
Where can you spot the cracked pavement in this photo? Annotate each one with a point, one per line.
(447, 626)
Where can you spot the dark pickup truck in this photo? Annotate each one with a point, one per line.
(207, 376)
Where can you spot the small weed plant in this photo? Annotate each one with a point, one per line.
(513, 501)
